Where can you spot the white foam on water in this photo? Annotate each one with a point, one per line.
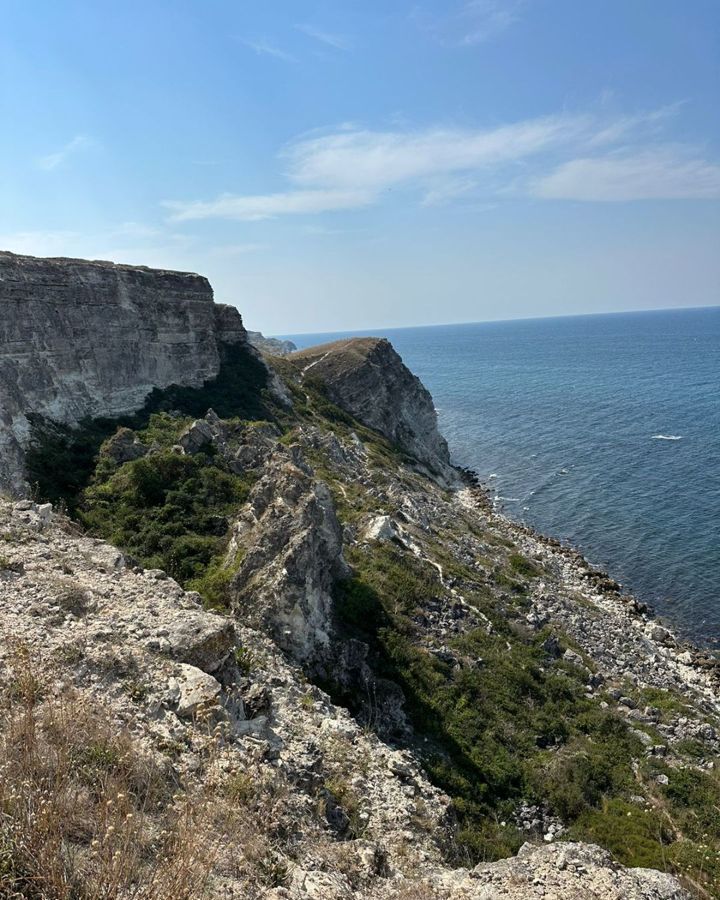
(667, 437)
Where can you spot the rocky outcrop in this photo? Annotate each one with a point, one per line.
(566, 871)
(289, 544)
(82, 338)
(270, 345)
(367, 378)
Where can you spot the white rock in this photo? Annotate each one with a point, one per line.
(197, 691)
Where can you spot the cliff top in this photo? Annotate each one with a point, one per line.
(359, 347)
(366, 377)
(23, 259)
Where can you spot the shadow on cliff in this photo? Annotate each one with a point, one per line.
(61, 459)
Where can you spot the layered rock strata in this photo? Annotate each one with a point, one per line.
(81, 338)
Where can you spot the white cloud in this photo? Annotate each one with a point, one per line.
(473, 22)
(267, 206)
(654, 174)
(337, 41)
(448, 189)
(264, 47)
(549, 157)
(487, 18)
(376, 159)
(53, 160)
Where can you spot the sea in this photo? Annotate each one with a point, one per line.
(600, 430)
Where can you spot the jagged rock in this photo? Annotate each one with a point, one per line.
(291, 543)
(367, 378)
(200, 639)
(256, 444)
(81, 338)
(118, 659)
(382, 528)
(569, 871)
(124, 447)
(197, 437)
(196, 691)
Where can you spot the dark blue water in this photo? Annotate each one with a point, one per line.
(603, 431)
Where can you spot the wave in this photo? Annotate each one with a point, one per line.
(667, 437)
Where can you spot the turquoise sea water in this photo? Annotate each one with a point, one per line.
(603, 431)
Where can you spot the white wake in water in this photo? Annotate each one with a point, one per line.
(667, 437)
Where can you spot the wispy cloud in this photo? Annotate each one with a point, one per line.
(566, 156)
(447, 190)
(79, 143)
(264, 47)
(378, 159)
(662, 173)
(267, 206)
(336, 41)
(472, 22)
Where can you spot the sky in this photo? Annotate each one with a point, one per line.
(350, 164)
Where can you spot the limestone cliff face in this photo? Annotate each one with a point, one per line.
(81, 338)
(367, 378)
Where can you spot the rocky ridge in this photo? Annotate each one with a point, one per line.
(273, 346)
(366, 377)
(217, 708)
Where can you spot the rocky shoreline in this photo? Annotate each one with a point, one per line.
(631, 640)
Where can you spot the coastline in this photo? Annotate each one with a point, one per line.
(633, 641)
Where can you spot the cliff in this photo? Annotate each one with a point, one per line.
(81, 338)
(270, 345)
(367, 377)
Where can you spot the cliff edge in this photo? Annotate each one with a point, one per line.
(80, 338)
(367, 378)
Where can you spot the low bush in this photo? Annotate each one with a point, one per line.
(167, 510)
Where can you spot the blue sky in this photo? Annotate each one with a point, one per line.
(338, 165)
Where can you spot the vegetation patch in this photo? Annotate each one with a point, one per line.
(170, 512)
(61, 459)
(507, 723)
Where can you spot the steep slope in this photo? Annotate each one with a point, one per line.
(155, 750)
(320, 665)
(367, 378)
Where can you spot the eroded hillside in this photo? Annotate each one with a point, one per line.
(337, 669)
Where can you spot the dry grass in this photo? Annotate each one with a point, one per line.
(85, 814)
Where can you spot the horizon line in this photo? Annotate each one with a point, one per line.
(587, 315)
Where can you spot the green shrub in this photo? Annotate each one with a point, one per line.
(515, 726)
(635, 836)
(167, 510)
